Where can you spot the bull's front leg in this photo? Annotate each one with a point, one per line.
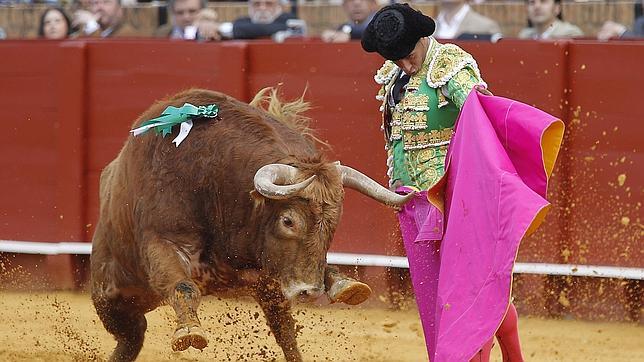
(169, 275)
(277, 310)
(343, 289)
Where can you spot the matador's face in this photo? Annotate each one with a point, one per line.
(411, 63)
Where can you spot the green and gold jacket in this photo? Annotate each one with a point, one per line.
(419, 128)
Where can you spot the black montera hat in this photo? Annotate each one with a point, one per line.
(394, 31)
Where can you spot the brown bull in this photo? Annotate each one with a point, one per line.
(246, 201)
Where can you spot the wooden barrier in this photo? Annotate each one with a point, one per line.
(29, 159)
(68, 107)
(21, 21)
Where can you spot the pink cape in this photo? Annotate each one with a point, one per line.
(494, 194)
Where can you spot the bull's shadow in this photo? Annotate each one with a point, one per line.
(245, 200)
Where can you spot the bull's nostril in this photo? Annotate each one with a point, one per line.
(313, 292)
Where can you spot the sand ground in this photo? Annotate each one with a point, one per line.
(62, 326)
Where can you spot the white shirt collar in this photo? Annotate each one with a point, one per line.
(447, 30)
(548, 32)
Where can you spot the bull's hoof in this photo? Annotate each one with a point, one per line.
(185, 337)
(349, 291)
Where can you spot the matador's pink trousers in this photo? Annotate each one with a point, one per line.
(421, 225)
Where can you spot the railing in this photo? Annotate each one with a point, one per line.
(352, 259)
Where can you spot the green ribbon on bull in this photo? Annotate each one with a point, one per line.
(172, 116)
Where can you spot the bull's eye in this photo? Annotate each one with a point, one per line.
(287, 221)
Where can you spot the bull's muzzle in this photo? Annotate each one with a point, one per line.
(303, 292)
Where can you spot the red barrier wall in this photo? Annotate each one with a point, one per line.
(67, 108)
(606, 155)
(28, 152)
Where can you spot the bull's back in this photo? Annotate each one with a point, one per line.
(151, 184)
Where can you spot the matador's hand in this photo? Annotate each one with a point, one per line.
(483, 90)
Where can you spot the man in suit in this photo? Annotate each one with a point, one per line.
(611, 29)
(360, 13)
(546, 22)
(190, 19)
(111, 20)
(183, 14)
(456, 19)
(266, 18)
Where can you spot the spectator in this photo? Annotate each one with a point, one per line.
(54, 24)
(207, 25)
(545, 21)
(611, 29)
(84, 18)
(360, 13)
(111, 20)
(457, 20)
(265, 18)
(190, 19)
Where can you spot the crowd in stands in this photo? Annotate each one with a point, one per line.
(193, 20)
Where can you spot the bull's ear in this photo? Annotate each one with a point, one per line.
(258, 203)
(256, 196)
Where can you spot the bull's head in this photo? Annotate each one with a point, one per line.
(303, 206)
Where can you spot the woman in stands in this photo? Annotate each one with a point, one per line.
(54, 24)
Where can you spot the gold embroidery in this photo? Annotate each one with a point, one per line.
(423, 139)
(414, 83)
(416, 102)
(426, 174)
(396, 114)
(414, 120)
(442, 101)
(426, 166)
(386, 72)
(463, 77)
(396, 132)
(381, 94)
(448, 61)
(426, 155)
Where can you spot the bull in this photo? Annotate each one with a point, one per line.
(247, 202)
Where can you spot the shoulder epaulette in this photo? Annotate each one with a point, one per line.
(386, 73)
(448, 61)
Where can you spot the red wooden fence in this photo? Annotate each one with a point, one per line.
(67, 107)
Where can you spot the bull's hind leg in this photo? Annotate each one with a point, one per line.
(126, 322)
(169, 275)
(277, 310)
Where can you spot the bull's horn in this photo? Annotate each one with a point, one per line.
(360, 182)
(274, 181)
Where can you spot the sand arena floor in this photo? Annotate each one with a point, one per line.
(61, 326)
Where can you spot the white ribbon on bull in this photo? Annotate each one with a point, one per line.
(275, 181)
(183, 132)
(172, 116)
